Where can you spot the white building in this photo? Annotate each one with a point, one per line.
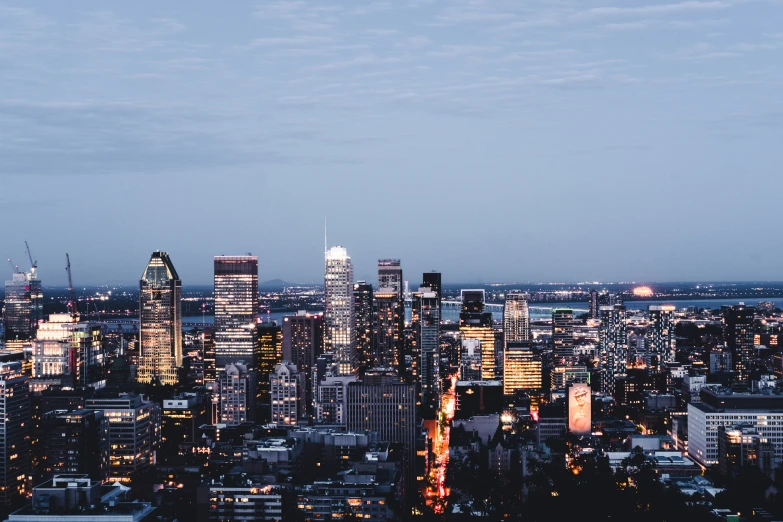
(286, 390)
(339, 332)
(762, 412)
(331, 402)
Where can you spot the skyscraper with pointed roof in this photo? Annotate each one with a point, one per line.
(160, 321)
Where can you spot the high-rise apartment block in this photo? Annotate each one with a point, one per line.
(303, 338)
(339, 323)
(160, 321)
(563, 333)
(236, 389)
(738, 333)
(17, 311)
(660, 339)
(516, 317)
(236, 310)
(613, 346)
(428, 336)
(387, 332)
(390, 275)
(364, 316)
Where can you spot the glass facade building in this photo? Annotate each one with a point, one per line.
(160, 321)
(612, 346)
(236, 310)
(516, 317)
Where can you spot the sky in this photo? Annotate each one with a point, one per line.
(491, 140)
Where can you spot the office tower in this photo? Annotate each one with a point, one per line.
(660, 339)
(563, 333)
(330, 400)
(612, 346)
(303, 338)
(236, 310)
(390, 275)
(390, 411)
(134, 431)
(270, 354)
(339, 323)
(364, 317)
(17, 309)
(594, 304)
(181, 419)
(15, 427)
(521, 368)
(74, 442)
(160, 321)
(36, 298)
(475, 323)
(433, 280)
(208, 353)
(287, 384)
(761, 412)
(388, 330)
(738, 333)
(516, 317)
(236, 387)
(428, 334)
(63, 348)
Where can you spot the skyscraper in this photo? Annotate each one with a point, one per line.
(16, 317)
(613, 346)
(475, 323)
(593, 304)
(364, 323)
(15, 426)
(428, 336)
(660, 338)
(387, 331)
(303, 338)
(516, 317)
(521, 368)
(339, 324)
(236, 310)
(160, 321)
(270, 354)
(390, 275)
(563, 333)
(738, 334)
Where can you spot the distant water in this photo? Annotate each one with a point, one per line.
(540, 311)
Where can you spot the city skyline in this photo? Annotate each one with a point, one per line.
(665, 113)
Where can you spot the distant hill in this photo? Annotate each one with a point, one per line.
(273, 285)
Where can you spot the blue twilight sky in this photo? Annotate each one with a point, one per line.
(489, 139)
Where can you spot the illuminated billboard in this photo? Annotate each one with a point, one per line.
(579, 421)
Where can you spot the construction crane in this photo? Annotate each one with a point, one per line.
(14, 267)
(33, 264)
(74, 310)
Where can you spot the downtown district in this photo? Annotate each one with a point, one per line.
(376, 407)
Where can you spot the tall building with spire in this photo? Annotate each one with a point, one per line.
(160, 321)
(236, 310)
(516, 317)
(339, 323)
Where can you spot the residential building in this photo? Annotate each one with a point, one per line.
(563, 333)
(660, 339)
(286, 389)
(364, 316)
(613, 346)
(15, 428)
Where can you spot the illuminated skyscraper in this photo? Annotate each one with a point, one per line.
(388, 329)
(365, 320)
(433, 280)
(339, 323)
(236, 310)
(593, 304)
(563, 333)
(660, 338)
(15, 426)
(738, 334)
(521, 368)
(516, 317)
(270, 354)
(475, 323)
(17, 311)
(613, 346)
(160, 321)
(428, 335)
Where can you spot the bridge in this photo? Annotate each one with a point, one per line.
(498, 307)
